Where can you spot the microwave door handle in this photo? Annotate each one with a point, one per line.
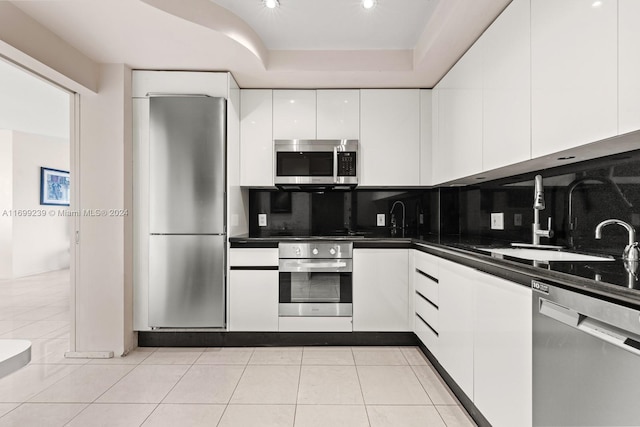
(335, 165)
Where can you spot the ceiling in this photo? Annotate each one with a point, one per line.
(335, 24)
(301, 44)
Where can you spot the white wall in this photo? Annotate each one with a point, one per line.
(30, 244)
(6, 201)
(40, 243)
(102, 296)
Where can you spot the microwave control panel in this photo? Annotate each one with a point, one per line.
(347, 163)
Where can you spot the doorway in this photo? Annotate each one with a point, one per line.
(37, 255)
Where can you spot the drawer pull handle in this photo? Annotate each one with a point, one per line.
(427, 300)
(428, 325)
(433, 279)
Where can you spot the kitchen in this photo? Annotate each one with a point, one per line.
(470, 147)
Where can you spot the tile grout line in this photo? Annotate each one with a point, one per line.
(295, 408)
(224, 411)
(366, 408)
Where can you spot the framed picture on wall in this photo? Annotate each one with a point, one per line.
(54, 187)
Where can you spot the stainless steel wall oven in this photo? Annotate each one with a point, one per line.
(316, 279)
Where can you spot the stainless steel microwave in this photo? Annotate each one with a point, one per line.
(304, 164)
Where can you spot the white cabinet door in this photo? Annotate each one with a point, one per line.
(455, 311)
(426, 136)
(179, 82)
(574, 72)
(294, 114)
(253, 300)
(256, 138)
(629, 65)
(502, 351)
(381, 290)
(458, 149)
(389, 137)
(338, 114)
(506, 88)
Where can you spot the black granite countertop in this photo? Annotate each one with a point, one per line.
(605, 279)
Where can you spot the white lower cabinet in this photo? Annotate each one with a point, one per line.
(253, 300)
(478, 327)
(502, 365)
(253, 292)
(381, 290)
(455, 339)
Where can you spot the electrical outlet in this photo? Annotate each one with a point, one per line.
(517, 220)
(635, 219)
(421, 221)
(262, 220)
(497, 221)
(381, 220)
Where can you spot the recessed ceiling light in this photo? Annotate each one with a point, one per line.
(271, 4)
(596, 3)
(368, 4)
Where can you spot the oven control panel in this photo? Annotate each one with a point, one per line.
(323, 249)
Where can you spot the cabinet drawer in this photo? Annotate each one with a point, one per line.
(427, 311)
(426, 286)
(428, 264)
(253, 257)
(428, 337)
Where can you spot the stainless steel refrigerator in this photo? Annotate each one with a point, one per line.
(187, 212)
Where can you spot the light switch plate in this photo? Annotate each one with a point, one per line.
(497, 221)
(380, 220)
(517, 220)
(262, 220)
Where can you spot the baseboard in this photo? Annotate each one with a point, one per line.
(88, 354)
(273, 339)
(468, 405)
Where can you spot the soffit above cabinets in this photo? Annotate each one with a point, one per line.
(301, 44)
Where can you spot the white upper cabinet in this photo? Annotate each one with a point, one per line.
(457, 151)
(629, 65)
(426, 136)
(574, 74)
(506, 88)
(180, 82)
(338, 114)
(294, 114)
(389, 137)
(256, 140)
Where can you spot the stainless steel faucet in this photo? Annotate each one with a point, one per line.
(403, 213)
(539, 205)
(631, 251)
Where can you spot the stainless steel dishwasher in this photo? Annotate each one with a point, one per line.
(586, 360)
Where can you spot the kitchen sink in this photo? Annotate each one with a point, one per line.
(544, 254)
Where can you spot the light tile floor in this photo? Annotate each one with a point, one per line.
(224, 387)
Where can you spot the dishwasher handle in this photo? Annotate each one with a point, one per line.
(597, 329)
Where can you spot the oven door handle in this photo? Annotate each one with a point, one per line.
(335, 165)
(295, 266)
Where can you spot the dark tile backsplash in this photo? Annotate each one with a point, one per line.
(600, 189)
